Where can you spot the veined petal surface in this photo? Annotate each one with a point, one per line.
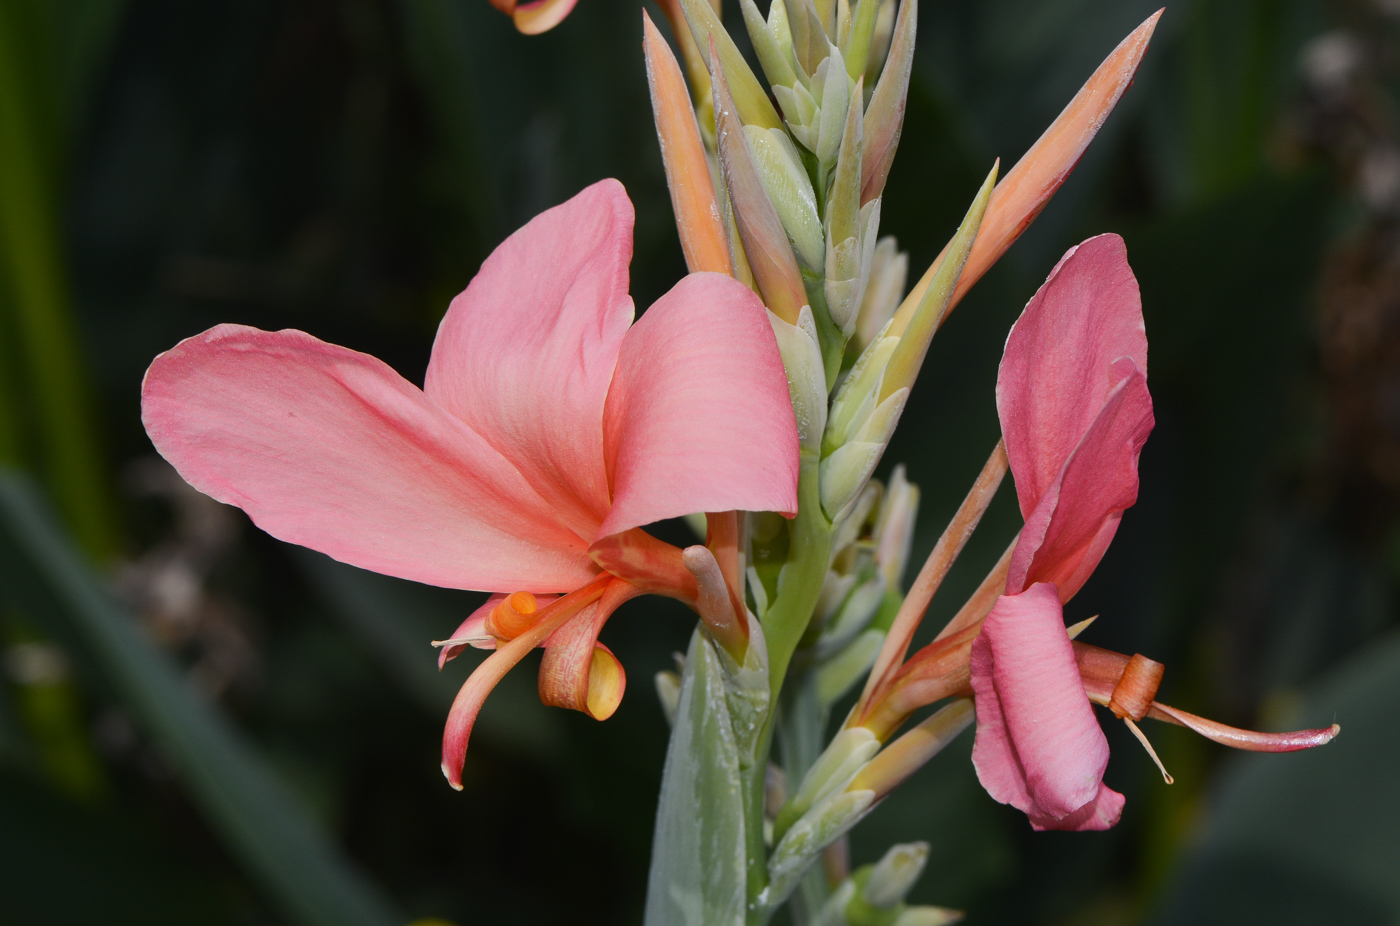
(525, 354)
(331, 449)
(699, 417)
(1073, 523)
(1039, 747)
(1060, 361)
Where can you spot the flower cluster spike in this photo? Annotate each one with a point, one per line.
(761, 392)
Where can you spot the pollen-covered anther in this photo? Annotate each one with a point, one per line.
(515, 614)
(1132, 697)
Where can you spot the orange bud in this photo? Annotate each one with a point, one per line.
(1025, 190)
(687, 169)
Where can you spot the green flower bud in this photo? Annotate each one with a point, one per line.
(845, 472)
(894, 876)
(889, 274)
(780, 169)
(802, 356)
(668, 692)
(772, 56)
(894, 530)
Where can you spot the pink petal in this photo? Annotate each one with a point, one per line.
(1102, 813)
(332, 449)
(524, 356)
(699, 417)
(1038, 746)
(1070, 528)
(1059, 364)
(567, 671)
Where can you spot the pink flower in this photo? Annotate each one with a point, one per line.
(550, 429)
(538, 15)
(1075, 412)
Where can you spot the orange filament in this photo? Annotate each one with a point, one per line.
(1132, 696)
(515, 614)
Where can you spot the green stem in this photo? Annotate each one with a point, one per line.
(799, 585)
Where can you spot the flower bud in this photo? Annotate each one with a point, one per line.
(889, 273)
(800, 111)
(832, 90)
(780, 169)
(846, 755)
(928, 916)
(845, 472)
(829, 820)
(750, 100)
(765, 241)
(809, 41)
(907, 755)
(894, 530)
(855, 46)
(892, 878)
(772, 56)
(802, 356)
(858, 395)
(884, 117)
(880, 39)
(850, 530)
(668, 692)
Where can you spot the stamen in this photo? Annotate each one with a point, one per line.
(515, 614)
(464, 641)
(1142, 738)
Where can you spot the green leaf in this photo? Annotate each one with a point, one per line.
(260, 821)
(698, 856)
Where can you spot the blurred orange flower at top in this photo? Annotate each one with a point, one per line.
(537, 16)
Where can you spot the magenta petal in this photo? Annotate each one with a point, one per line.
(1038, 746)
(1070, 528)
(699, 417)
(1101, 813)
(1059, 363)
(524, 356)
(332, 449)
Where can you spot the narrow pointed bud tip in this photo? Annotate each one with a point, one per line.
(884, 117)
(749, 97)
(1029, 185)
(895, 875)
(765, 241)
(693, 199)
(916, 324)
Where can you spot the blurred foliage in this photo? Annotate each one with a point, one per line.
(343, 166)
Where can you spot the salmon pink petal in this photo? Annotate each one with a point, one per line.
(331, 449)
(577, 671)
(1038, 746)
(699, 417)
(1070, 528)
(524, 356)
(1059, 364)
